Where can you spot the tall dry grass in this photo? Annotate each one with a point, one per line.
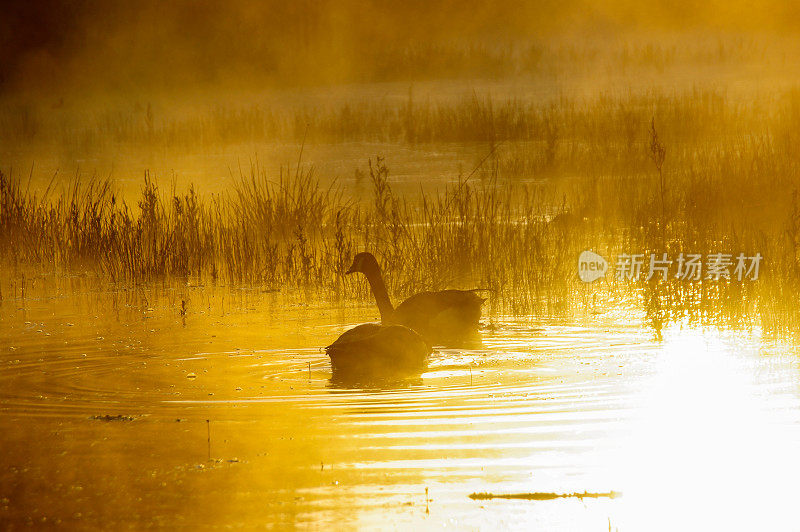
(572, 130)
(521, 241)
(694, 172)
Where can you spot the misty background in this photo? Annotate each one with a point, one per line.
(118, 46)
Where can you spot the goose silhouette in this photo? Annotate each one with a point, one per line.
(374, 349)
(444, 317)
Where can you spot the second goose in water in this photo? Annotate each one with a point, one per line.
(440, 317)
(375, 350)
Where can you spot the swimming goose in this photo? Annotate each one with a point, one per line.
(375, 349)
(440, 317)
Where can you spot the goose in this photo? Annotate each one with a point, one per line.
(440, 317)
(374, 349)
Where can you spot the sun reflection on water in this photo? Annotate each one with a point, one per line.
(709, 449)
(698, 431)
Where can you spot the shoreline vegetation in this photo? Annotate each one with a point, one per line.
(632, 171)
(520, 240)
(544, 135)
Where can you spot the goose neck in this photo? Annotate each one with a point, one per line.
(380, 293)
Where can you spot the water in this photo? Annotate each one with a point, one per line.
(698, 431)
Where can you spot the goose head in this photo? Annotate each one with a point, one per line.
(364, 263)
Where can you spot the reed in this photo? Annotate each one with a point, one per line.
(520, 241)
(692, 172)
(555, 133)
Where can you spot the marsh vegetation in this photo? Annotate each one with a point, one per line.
(690, 172)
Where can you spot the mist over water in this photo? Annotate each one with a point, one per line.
(183, 186)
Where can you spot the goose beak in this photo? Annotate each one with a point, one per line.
(354, 267)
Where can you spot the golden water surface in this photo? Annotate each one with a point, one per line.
(105, 397)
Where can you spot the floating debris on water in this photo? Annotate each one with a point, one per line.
(109, 417)
(544, 496)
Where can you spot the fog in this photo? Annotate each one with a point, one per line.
(118, 47)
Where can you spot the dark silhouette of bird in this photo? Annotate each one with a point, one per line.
(444, 317)
(374, 350)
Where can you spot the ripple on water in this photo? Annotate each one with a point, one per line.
(530, 409)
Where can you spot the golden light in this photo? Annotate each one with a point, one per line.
(712, 448)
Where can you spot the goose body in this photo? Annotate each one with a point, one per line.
(440, 317)
(375, 349)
